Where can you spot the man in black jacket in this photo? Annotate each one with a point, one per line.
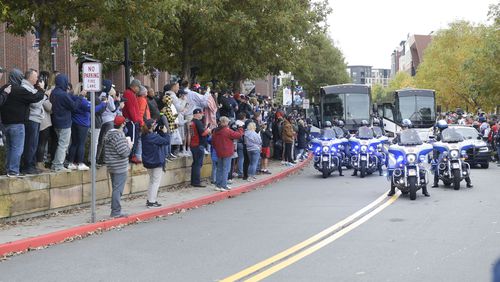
(15, 113)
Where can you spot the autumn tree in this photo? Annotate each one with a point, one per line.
(23, 16)
(319, 63)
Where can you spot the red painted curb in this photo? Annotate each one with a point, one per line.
(85, 230)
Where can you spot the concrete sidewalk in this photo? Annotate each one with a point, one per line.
(181, 198)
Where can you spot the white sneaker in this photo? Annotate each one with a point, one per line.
(283, 162)
(72, 166)
(82, 166)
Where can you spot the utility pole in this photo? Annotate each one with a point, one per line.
(126, 63)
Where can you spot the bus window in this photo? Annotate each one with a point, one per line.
(357, 106)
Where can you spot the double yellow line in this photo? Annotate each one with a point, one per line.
(284, 259)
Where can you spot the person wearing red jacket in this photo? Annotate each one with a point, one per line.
(222, 140)
(134, 120)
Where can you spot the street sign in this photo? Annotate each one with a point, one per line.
(305, 104)
(92, 77)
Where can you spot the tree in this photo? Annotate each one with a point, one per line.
(319, 63)
(23, 16)
(443, 64)
(379, 94)
(257, 37)
(400, 81)
(134, 19)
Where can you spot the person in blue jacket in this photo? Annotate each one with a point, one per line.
(79, 132)
(155, 141)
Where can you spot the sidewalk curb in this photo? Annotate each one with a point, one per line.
(20, 246)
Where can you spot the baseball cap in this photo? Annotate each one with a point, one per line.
(149, 123)
(196, 111)
(119, 120)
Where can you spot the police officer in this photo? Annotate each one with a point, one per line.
(340, 123)
(406, 124)
(364, 123)
(328, 132)
(441, 125)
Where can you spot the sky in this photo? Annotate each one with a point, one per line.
(368, 31)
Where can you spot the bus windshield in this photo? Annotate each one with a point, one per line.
(417, 108)
(346, 106)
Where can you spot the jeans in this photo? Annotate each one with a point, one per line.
(118, 181)
(32, 130)
(14, 134)
(155, 175)
(223, 167)
(214, 171)
(107, 126)
(254, 160)
(241, 158)
(498, 152)
(97, 133)
(198, 155)
(77, 148)
(63, 137)
(138, 151)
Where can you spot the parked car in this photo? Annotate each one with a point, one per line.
(480, 154)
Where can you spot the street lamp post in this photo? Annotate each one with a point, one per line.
(126, 63)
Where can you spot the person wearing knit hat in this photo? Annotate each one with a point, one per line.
(153, 157)
(117, 149)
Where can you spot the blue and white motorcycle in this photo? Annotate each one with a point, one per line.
(328, 153)
(452, 150)
(364, 152)
(406, 170)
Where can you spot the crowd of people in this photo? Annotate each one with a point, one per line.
(46, 126)
(488, 125)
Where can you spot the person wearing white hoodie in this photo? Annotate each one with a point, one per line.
(108, 118)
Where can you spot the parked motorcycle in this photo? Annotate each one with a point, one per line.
(452, 150)
(328, 153)
(363, 149)
(406, 170)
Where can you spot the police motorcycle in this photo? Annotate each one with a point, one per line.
(384, 143)
(345, 159)
(363, 148)
(452, 151)
(327, 150)
(406, 169)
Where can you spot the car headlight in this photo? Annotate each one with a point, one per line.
(411, 158)
(484, 149)
(454, 153)
(325, 149)
(363, 148)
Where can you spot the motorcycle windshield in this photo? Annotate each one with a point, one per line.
(410, 137)
(378, 131)
(339, 132)
(328, 134)
(451, 135)
(365, 132)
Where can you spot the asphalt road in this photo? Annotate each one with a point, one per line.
(451, 236)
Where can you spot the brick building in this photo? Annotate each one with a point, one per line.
(18, 52)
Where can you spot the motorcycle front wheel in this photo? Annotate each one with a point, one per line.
(456, 179)
(325, 171)
(363, 169)
(412, 181)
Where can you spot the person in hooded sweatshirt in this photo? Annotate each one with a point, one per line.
(79, 131)
(63, 104)
(32, 126)
(15, 114)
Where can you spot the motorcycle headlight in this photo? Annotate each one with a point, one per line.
(310, 146)
(363, 148)
(454, 153)
(334, 149)
(379, 147)
(325, 149)
(411, 158)
(422, 158)
(341, 147)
